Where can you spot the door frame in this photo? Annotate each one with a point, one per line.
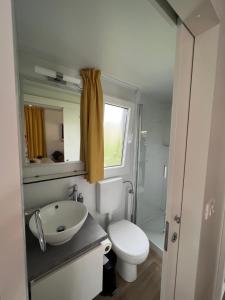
(181, 278)
(177, 154)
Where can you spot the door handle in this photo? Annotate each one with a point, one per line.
(167, 225)
(174, 237)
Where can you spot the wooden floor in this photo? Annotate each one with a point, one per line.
(147, 285)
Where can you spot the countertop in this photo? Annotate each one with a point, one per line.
(41, 263)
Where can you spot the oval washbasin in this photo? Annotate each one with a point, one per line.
(60, 221)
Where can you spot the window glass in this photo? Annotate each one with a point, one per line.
(115, 123)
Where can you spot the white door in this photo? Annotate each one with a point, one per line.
(178, 139)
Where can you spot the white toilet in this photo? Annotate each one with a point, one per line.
(129, 242)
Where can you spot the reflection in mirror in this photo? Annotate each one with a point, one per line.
(51, 129)
(43, 128)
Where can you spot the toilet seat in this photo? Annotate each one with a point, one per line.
(129, 241)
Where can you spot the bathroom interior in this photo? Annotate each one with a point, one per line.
(122, 216)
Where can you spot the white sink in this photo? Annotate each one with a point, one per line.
(60, 221)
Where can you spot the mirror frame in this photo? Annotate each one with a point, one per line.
(32, 87)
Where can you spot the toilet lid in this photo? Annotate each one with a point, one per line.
(128, 238)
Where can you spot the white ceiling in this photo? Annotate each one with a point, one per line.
(127, 39)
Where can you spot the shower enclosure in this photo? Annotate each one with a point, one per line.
(152, 160)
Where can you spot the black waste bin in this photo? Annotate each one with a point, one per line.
(109, 275)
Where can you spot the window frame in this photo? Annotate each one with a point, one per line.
(128, 135)
(124, 136)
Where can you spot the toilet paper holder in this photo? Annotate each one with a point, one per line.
(107, 245)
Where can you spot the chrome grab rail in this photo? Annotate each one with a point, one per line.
(38, 223)
(41, 236)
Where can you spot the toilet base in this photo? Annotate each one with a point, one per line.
(127, 271)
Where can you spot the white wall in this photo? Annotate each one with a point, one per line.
(153, 156)
(111, 87)
(71, 121)
(53, 127)
(12, 249)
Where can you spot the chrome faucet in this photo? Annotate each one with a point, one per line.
(74, 193)
(41, 236)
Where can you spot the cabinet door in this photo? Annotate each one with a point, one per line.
(78, 280)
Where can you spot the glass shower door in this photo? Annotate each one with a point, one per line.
(152, 161)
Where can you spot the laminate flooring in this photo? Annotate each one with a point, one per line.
(147, 285)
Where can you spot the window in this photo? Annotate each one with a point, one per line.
(115, 128)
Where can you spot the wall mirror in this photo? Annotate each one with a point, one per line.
(51, 123)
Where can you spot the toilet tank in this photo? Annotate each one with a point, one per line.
(109, 195)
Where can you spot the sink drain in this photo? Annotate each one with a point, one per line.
(60, 228)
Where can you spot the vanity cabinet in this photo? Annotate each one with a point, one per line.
(80, 279)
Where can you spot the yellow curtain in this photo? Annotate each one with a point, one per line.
(35, 131)
(91, 121)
